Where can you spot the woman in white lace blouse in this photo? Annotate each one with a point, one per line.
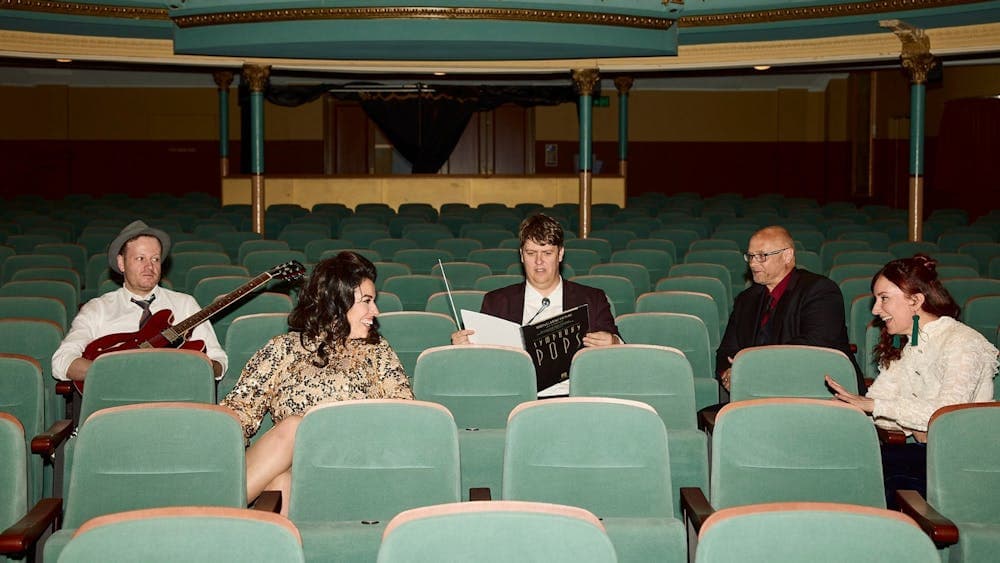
(927, 360)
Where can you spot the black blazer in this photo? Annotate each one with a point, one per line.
(811, 313)
(508, 303)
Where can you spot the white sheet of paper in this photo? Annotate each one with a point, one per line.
(492, 330)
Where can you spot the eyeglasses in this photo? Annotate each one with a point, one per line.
(762, 256)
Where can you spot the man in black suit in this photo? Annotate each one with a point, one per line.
(544, 293)
(785, 305)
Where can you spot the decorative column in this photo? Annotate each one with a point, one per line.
(585, 80)
(256, 77)
(223, 79)
(917, 61)
(623, 84)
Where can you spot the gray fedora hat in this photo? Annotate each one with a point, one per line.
(132, 230)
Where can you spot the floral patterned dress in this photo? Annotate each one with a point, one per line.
(281, 379)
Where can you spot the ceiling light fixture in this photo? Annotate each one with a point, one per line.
(64, 60)
(440, 73)
(761, 67)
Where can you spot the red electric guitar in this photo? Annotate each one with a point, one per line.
(160, 332)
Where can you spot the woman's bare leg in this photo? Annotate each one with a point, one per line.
(271, 456)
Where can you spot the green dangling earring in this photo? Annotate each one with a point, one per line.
(896, 341)
(916, 330)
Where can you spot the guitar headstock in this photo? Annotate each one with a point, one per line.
(290, 270)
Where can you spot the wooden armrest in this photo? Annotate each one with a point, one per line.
(268, 501)
(24, 534)
(941, 530)
(695, 506)
(706, 420)
(890, 437)
(480, 493)
(46, 443)
(65, 388)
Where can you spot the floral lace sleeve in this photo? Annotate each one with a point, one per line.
(390, 377)
(249, 398)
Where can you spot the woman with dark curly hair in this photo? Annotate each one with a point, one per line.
(927, 360)
(333, 352)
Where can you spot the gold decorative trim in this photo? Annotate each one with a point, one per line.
(78, 9)
(813, 12)
(437, 13)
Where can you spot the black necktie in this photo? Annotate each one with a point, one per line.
(146, 313)
(764, 332)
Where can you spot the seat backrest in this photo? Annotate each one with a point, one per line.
(659, 376)
(459, 247)
(963, 289)
(496, 532)
(37, 339)
(962, 460)
(700, 284)
(197, 273)
(178, 454)
(179, 263)
(983, 314)
(845, 271)
(469, 299)
(581, 259)
(422, 260)
(479, 384)
(682, 239)
(29, 307)
(414, 290)
(22, 396)
(371, 459)
(13, 471)
(619, 291)
(496, 281)
(462, 275)
(201, 533)
(601, 246)
(635, 273)
(315, 248)
(264, 302)
(694, 303)
(608, 456)
(716, 271)
(685, 332)
(388, 247)
(657, 262)
(789, 371)
(829, 250)
(782, 450)
(498, 259)
(411, 332)
(245, 336)
(21, 261)
(208, 289)
(861, 257)
(260, 261)
(147, 375)
(731, 259)
(812, 531)
(57, 289)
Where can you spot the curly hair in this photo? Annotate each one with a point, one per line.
(913, 275)
(321, 313)
(541, 229)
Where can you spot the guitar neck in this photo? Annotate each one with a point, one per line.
(221, 303)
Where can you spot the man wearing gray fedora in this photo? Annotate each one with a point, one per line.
(137, 254)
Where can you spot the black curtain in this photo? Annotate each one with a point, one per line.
(424, 124)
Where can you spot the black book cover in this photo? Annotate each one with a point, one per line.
(551, 343)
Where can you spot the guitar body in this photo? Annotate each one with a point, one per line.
(151, 335)
(160, 332)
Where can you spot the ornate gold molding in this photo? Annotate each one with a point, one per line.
(623, 84)
(437, 13)
(813, 12)
(585, 79)
(916, 57)
(256, 76)
(223, 79)
(80, 9)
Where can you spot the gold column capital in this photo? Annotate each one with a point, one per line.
(256, 76)
(623, 84)
(223, 79)
(586, 79)
(916, 56)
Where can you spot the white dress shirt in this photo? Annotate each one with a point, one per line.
(533, 304)
(114, 313)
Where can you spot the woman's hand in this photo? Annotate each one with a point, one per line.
(863, 403)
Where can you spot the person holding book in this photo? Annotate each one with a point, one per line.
(544, 293)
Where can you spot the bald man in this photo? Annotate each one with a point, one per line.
(785, 305)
